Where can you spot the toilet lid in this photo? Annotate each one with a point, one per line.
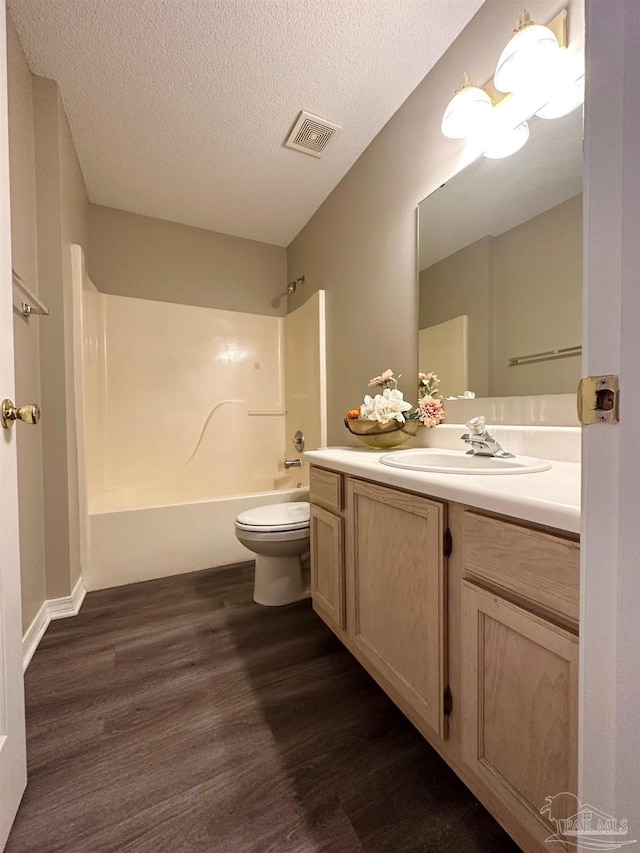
(293, 515)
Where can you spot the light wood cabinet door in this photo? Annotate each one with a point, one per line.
(327, 567)
(520, 705)
(396, 593)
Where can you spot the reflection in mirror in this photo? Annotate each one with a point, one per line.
(501, 270)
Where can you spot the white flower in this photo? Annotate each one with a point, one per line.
(384, 381)
(366, 409)
(385, 407)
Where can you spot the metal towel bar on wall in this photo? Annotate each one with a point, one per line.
(550, 355)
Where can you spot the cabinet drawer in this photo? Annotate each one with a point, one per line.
(326, 488)
(538, 566)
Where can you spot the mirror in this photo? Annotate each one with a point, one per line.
(500, 270)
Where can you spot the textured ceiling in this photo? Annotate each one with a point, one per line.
(179, 108)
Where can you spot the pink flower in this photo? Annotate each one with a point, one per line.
(430, 411)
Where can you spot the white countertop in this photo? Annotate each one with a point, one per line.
(550, 497)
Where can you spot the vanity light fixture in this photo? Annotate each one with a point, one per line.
(507, 142)
(529, 55)
(567, 96)
(467, 112)
(535, 75)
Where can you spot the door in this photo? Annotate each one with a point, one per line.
(610, 553)
(396, 613)
(519, 706)
(13, 773)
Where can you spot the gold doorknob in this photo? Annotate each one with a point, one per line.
(11, 413)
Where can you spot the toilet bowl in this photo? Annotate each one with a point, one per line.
(278, 534)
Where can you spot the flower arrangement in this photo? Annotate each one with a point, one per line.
(389, 405)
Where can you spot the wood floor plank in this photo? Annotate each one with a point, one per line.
(178, 715)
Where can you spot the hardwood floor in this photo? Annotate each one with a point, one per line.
(177, 715)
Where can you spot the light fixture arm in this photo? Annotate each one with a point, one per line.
(523, 20)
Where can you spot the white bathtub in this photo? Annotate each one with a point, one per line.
(142, 542)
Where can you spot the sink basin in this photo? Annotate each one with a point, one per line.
(457, 462)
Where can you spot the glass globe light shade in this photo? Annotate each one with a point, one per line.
(566, 98)
(466, 112)
(507, 142)
(526, 58)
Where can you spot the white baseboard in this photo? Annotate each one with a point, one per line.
(60, 608)
(34, 634)
(53, 608)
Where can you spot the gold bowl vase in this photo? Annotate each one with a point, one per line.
(382, 436)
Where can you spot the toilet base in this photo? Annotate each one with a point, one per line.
(278, 581)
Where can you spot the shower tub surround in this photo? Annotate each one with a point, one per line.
(184, 419)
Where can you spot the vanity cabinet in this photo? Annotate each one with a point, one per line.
(469, 622)
(396, 585)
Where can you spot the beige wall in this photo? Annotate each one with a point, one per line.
(133, 255)
(62, 218)
(49, 211)
(360, 246)
(24, 247)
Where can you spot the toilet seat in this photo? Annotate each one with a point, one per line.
(285, 528)
(258, 536)
(275, 518)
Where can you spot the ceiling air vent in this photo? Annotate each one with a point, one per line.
(311, 134)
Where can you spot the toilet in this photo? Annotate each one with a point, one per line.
(278, 534)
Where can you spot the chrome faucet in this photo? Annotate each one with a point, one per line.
(482, 443)
(292, 463)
